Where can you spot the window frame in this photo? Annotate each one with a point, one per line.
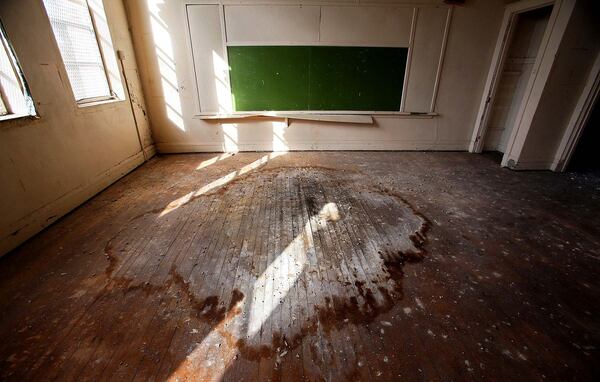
(24, 107)
(115, 88)
(4, 103)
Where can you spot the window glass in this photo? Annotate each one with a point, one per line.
(76, 38)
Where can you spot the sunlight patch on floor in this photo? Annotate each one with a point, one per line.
(287, 267)
(214, 160)
(219, 182)
(211, 358)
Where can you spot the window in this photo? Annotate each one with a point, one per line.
(15, 100)
(75, 24)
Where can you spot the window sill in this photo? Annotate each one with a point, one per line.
(85, 105)
(12, 117)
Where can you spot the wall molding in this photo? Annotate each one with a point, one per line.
(150, 151)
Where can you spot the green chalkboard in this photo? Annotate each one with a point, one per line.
(316, 77)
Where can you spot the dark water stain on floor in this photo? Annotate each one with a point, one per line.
(293, 250)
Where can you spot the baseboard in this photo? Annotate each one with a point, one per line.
(150, 151)
(532, 165)
(391, 145)
(558, 165)
(18, 232)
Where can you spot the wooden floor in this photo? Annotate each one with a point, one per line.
(312, 266)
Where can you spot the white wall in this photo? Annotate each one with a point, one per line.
(164, 56)
(51, 165)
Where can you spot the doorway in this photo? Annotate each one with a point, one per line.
(586, 157)
(523, 49)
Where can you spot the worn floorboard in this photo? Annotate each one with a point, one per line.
(312, 266)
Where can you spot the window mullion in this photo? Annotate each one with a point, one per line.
(100, 49)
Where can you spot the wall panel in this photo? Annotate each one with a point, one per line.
(209, 57)
(427, 45)
(273, 23)
(368, 26)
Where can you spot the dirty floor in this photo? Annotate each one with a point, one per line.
(312, 266)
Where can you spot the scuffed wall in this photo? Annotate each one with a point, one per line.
(167, 71)
(51, 165)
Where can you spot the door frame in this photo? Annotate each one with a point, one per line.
(557, 22)
(581, 114)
